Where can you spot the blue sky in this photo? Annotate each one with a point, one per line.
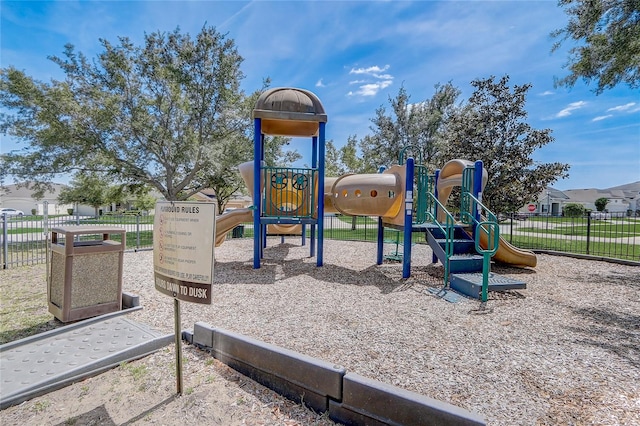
(356, 54)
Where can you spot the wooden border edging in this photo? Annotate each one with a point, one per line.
(348, 397)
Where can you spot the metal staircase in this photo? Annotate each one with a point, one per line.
(467, 265)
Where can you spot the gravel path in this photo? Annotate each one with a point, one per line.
(563, 351)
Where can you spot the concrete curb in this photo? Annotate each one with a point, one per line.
(367, 401)
(298, 377)
(348, 397)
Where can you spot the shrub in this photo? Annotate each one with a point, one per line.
(573, 210)
(601, 204)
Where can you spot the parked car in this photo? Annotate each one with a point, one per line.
(11, 212)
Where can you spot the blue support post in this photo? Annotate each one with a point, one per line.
(380, 254)
(304, 236)
(477, 193)
(257, 156)
(321, 153)
(477, 187)
(380, 241)
(408, 219)
(312, 238)
(314, 165)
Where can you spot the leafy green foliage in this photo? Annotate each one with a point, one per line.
(601, 204)
(145, 202)
(162, 114)
(417, 125)
(606, 33)
(573, 210)
(95, 190)
(491, 127)
(86, 188)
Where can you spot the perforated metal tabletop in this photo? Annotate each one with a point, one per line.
(41, 363)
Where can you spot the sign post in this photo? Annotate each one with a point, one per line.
(183, 258)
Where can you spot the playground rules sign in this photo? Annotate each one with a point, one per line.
(183, 250)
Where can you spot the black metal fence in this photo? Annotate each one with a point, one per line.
(597, 234)
(24, 239)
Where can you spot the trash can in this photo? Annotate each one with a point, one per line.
(85, 278)
(238, 232)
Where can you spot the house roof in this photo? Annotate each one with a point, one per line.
(627, 192)
(553, 193)
(12, 191)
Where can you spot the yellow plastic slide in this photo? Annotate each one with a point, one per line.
(450, 176)
(510, 254)
(227, 221)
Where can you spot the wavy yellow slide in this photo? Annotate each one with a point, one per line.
(450, 176)
(510, 254)
(227, 221)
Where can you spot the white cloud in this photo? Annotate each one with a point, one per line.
(376, 80)
(320, 83)
(546, 93)
(371, 89)
(602, 117)
(572, 107)
(371, 70)
(383, 76)
(624, 107)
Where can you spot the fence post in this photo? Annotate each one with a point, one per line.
(5, 243)
(45, 230)
(588, 230)
(511, 228)
(137, 232)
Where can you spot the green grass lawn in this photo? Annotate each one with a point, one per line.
(360, 220)
(599, 229)
(599, 248)
(24, 308)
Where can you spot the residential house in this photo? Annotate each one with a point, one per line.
(22, 199)
(621, 199)
(235, 202)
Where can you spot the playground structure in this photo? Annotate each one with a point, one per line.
(403, 197)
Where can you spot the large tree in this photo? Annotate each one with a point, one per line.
(162, 114)
(491, 127)
(607, 37)
(86, 188)
(419, 125)
(349, 158)
(96, 190)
